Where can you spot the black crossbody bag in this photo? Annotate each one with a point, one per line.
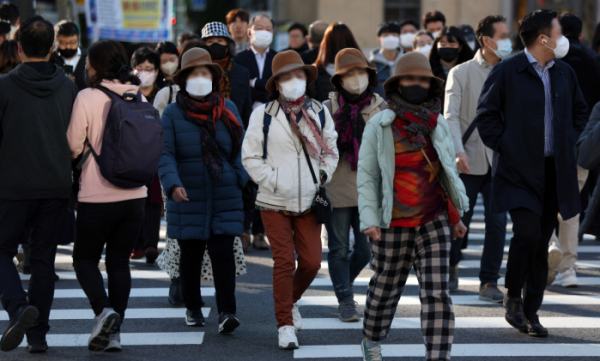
(322, 203)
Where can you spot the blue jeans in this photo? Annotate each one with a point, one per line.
(495, 229)
(345, 266)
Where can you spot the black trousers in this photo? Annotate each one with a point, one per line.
(116, 225)
(253, 223)
(527, 266)
(45, 217)
(220, 250)
(150, 233)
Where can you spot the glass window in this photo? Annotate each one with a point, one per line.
(398, 10)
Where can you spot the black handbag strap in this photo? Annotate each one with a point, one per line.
(468, 133)
(312, 171)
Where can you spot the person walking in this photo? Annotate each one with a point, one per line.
(204, 183)
(352, 105)
(297, 34)
(237, 22)
(169, 63)
(316, 31)
(68, 52)
(36, 100)
(384, 58)
(531, 112)
(146, 66)
(297, 130)
(409, 192)
(473, 158)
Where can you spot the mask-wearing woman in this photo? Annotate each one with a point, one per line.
(106, 215)
(169, 63)
(146, 65)
(422, 42)
(448, 50)
(410, 199)
(352, 105)
(299, 130)
(202, 173)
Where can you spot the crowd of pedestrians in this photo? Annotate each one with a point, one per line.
(242, 147)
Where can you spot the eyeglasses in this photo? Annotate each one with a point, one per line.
(140, 69)
(70, 43)
(240, 23)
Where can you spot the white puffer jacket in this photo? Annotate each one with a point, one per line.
(284, 178)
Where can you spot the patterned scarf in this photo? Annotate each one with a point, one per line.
(299, 106)
(226, 64)
(420, 119)
(350, 124)
(205, 113)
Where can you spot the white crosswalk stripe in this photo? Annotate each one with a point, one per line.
(129, 339)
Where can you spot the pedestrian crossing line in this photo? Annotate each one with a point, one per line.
(128, 339)
(456, 300)
(68, 258)
(70, 275)
(477, 263)
(458, 350)
(135, 292)
(130, 313)
(462, 281)
(478, 249)
(461, 322)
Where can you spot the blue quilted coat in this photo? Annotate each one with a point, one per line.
(215, 206)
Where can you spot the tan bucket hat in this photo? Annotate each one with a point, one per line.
(197, 57)
(413, 63)
(348, 59)
(287, 61)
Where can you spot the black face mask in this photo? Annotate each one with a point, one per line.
(448, 54)
(67, 53)
(219, 51)
(414, 94)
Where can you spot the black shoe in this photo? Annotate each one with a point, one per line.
(151, 255)
(534, 328)
(194, 318)
(26, 270)
(228, 322)
(175, 295)
(37, 347)
(13, 336)
(56, 278)
(514, 312)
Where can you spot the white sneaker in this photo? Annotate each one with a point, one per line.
(106, 324)
(554, 258)
(114, 343)
(567, 278)
(297, 317)
(287, 338)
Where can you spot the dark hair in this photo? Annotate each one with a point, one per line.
(166, 47)
(596, 39)
(419, 33)
(298, 26)
(409, 22)
(388, 27)
(9, 54)
(9, 12)
(486, 27)
(261, 15)
(143, 54)
(571, 24)
(66, 28)
(187, 37)
(337, 37)
(534, 24)
(242, 14)
(432, 17)
(183, 78)
(435, 90)
(36, 36)
(109, 60)
(454, 36)
(373, 82)
(4, 28)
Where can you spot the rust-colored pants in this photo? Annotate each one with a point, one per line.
(286, 234)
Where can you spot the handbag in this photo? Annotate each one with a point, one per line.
(453, 215)
(249, 194)
(323, 205)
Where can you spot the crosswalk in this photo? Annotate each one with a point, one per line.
(152, 324)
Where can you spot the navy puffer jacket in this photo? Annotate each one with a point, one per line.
(215, 206)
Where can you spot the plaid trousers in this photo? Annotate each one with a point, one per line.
(427, 249)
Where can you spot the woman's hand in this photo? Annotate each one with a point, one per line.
(179, 195)
(462, 163)
(374, 232)
(459, 230)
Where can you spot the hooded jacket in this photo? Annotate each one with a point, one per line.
(384, 69)
(35, 110)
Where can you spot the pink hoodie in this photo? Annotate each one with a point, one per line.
(87, 121)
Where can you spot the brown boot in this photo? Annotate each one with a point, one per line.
(260, 242)
(246, 241)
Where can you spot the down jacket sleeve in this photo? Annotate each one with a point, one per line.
(330, 138)
(252, 150)
(587, 149)
(369, 178)
(167, 167)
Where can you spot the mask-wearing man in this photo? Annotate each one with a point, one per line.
(408, 30)
(434, 22)
(68, 54)
(385, 57)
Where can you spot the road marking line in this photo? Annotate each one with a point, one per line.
(477, 263)
(135, 292)
(130, 313)
(462, 281)
(70, 275)
(128, 339)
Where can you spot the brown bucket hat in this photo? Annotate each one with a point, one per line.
(348, 59)
(287, 61)
(197, 57)
(413, 63)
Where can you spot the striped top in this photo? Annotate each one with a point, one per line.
(545, 76)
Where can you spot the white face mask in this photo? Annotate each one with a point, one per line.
(390, 42)
(504, 48)
(425, 50)
(406, 40)
(262, 38)
(293, 88)
(199, 86)
(146, 78)
(562, 47)
(471, 44)
(435, 34)
(356, 84)
(169, 68)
